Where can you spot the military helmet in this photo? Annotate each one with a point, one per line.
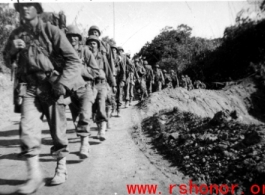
(157, 65)
(94, 28)
(93, 38)
(120, 48)
(38, 6)
(128, 55)
(164, 71)
(145, 62)
(73, 30)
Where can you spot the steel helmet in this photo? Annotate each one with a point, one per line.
(93, 38)
(94, 28)
(38, 6)
(120, 48)
(73, 30)
(145, 62)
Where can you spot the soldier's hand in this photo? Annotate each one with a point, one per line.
(122, 84)
(58, 89)
(18, 44)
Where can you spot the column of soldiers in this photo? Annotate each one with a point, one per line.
(54, 69)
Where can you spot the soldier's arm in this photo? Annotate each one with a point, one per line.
(91, 63)
(108, 72)
(72, 69)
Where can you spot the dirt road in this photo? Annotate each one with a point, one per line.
(112, 164)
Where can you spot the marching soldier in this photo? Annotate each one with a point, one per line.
(105, 48)
(168, 79)
(189, 83)
(102, 85)
(81, 105)
(45, 84)
(175, 80)
(141, 74)
(199, 85)
(183, 82)
(120, 77)
(130, 81)
(159, 78)
(149, 77)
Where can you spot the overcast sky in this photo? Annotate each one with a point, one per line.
(138, 22)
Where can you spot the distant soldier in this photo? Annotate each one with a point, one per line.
(120, 77)
(130, 81)
(183, 82)
(45, 84)
(168, 79)
(105, 49)
(149, 77)
(141, 75)
(175, 80)
(62, 21)
(189, 83)
(102, 86)
(199, 85)
(81, 105)
(159, 78)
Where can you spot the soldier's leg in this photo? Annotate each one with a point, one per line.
(119, 96)
(30, 135)
(131, 93)
(56, 117)
(85, 97)
(159, 85)
(127, 98)
(101, 117)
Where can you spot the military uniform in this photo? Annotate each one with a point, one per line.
(102, 84)
(81, 104)
(168, 80)
(130, 81)
(189, 83)
(175, 81)
(183, 82)
(36, 70)
(149, 77)
(141, 74)
(120, 78)
(159, 79)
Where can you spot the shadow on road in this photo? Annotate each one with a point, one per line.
(10, 143)
(9, 133)
(11, 182)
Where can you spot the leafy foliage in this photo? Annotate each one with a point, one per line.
(7, 24)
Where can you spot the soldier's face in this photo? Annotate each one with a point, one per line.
(28, 11)
(114, 51)
(93, 45)
(94, 32)
(74, 40)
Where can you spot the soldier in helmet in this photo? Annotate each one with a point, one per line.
(159, 78)
(104, 48)
(120, 77)
(183, 82)
(45, 85)
(81, 105)
(175, 81)
(130, 80)
(149, 77)
(168, 79)
(189, 83)
(141, 75)
(101, 85)
(199, 85)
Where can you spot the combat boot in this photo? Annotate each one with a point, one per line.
(118, 113)
(108, 125)
(60, 172)
(126, 104)
(84, 149)
(102, 130)
(35, 178)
